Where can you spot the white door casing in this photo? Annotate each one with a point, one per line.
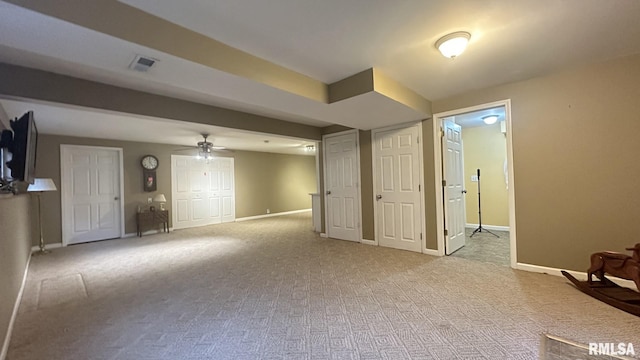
(453, 173)
(397, 189)
(91, 193)
(342, 192)
(203, 191)
(437, 161)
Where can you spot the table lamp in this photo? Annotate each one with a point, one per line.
(160, 199)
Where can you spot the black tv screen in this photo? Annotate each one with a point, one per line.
(23, 149)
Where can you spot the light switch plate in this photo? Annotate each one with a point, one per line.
(474, 178)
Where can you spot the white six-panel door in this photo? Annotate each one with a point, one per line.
(453, 168)
(202, 191)
(397, 188)
(341, 186)
(90, 191)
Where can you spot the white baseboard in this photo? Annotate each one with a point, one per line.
(46, 247)
(324, 235)
(582, 276)
(14, 314)
(488, 227)
(430, 252)
(368, 242)
(270, 215)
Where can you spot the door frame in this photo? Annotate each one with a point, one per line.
(64, 148)
(437, 150)
(423, 225)
(358, 185)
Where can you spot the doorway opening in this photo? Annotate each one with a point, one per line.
(477, 219)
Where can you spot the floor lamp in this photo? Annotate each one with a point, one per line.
(38, 187)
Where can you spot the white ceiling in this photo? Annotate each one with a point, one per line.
(330, 40)
(72, 121)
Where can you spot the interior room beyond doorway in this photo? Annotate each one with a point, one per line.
(486, 199)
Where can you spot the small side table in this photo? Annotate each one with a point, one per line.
(151, 219)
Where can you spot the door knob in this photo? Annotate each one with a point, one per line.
(464, 191)
(116, 198)
(328, 192)
(378, 197)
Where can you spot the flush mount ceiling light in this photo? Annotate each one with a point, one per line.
(491, 119)
(453, 44)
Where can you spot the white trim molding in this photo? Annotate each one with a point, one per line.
(431, 252)
(47, 247)
(271, 215)
(582, 276)
(369, 242)
(14, 314)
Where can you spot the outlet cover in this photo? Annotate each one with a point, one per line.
(149, 200)
(474, 178)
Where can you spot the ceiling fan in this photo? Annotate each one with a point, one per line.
(206, 148)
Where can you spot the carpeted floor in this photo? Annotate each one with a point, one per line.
(273, 289)
(486, 247)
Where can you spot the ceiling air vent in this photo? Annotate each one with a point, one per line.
(142, 63)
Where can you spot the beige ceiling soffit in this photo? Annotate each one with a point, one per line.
(358, 84)
(21, 82)
(374, 80)
(332, 129)
(394, 90)
(134, 25)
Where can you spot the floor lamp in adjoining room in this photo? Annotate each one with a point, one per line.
(38, 187)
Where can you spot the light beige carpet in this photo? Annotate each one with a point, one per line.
(273, 289)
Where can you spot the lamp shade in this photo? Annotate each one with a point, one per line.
(42, 184)
(160, 198)
(453, 44)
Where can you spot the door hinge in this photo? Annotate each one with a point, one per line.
(419, 187)
(446, 232)
(441, 133)
(418, 139)
(420, 236)
(444, 182)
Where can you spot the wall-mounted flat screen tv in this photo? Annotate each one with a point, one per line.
(23, 149)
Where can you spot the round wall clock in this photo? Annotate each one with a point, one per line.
(149, 162)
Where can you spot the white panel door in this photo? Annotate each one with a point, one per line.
(453, 173)
(341, 187)
(397, 188)
(226, 191)
(203, 191)
(91, 194)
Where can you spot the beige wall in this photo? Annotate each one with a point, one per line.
(575, 148)
(277, 182)
(15, 248)
(485, 148)
(260, 179)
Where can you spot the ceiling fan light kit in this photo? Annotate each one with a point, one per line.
(454, 44)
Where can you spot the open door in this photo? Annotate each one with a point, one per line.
(453, 187)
